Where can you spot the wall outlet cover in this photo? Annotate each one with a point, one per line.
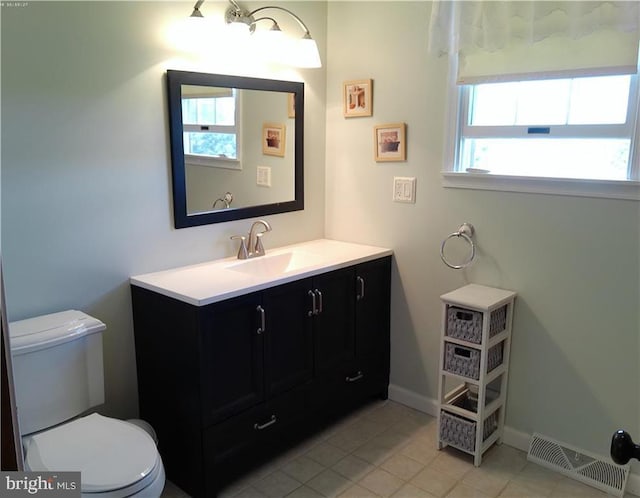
(263, 176)
(404, 189)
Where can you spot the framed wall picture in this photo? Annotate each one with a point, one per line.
(390, 142)
(273, 139)
(357, 98)
(291, 105)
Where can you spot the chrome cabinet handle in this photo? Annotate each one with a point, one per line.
(260, 427)
(262, 327)
(313, 311)
(355, 378)
(316, 302)
(361, 294)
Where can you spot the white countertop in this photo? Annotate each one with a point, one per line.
(214, 281)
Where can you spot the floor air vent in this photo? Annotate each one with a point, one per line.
(575, 463)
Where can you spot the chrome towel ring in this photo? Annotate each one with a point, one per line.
(465, 231)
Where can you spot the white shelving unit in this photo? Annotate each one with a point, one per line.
(474, 367)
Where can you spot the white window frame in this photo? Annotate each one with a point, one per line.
(457, 105)
(218, 162)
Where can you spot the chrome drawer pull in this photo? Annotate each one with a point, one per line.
(358, 376)
(313, 311)
(361, 294)
(319, 310)
(260, 427)
(262, 327)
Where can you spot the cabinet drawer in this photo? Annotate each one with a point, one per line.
(253, 427)
(466, 324)
(347, 385)
(465, 361)
(460, 432)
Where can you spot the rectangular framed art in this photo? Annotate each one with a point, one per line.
(390, 142)
(357, 98)
(273, 139)
(291, 105)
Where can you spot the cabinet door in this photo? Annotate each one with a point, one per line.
(334, 325)
(287, 336)
(373, 291)
(232, 357)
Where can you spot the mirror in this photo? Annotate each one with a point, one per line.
(236, 147)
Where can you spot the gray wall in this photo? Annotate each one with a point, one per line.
(575, 262)
(86, 166)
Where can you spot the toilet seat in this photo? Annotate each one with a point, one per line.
(114, 457)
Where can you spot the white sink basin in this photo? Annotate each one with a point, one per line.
(277, 264)
(209, 282)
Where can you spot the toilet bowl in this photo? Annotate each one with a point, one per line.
(58, 375)
(115, 459)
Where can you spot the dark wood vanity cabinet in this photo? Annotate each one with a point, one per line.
(253, 348)
(352, 341)
(334, 321)
(231, 351)
(227, 383)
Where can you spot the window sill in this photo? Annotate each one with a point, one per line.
(212, 162)
(610, 189)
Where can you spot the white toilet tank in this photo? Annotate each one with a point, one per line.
(57, 367)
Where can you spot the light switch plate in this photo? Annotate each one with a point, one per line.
(404, 189)
(263, 177)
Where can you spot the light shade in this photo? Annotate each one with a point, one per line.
(192, 34)
(306, 53)
(270, 43)
(237, 29)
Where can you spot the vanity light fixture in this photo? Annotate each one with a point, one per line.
(305, 49)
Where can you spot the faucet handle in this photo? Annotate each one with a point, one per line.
(243, 253)
(259, 249)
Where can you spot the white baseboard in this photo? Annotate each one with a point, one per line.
(516, 439)
(510, 437)
(633, 484)
(413, 400)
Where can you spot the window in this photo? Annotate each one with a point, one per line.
(580, 128)
(210, 129)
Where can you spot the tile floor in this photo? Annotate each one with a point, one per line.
(387, 449)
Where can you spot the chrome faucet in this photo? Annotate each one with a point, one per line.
(255, 238)
(251, 246)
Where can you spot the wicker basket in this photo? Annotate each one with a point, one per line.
(466, 324)
(460, 432)
(467, 401)
(465, 361)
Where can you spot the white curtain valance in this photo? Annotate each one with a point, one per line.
(514, 40)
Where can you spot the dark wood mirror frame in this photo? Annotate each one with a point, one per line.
(175, 80)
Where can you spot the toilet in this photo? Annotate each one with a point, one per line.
(58, 375)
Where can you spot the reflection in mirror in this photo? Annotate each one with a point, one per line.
(236, 147)
(224, 149)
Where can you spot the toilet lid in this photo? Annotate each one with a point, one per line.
(109, 453)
